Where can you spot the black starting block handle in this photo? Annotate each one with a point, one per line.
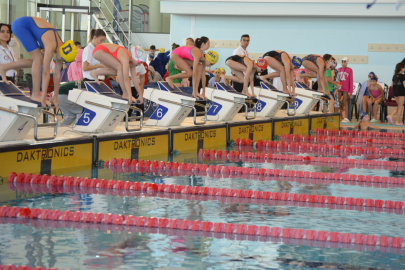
(191, 107)
(243, 104)
(288, 108)
(123, 111)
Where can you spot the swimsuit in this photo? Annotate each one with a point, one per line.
(184, 52)
(237, 58)
(312, 58)
(29, 34)
(114, 54)
(276, 55)
(375, 93)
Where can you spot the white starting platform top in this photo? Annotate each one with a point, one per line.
(306, 98)
(18, 114)
(173, 106)
(226, 103)
(103, 108)
(270, 100)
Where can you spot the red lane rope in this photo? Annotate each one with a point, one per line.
(199, 227)
(150, 191)
(318, 148)
(358, 134)
(25, 267)
(320, 201)
(298, 160)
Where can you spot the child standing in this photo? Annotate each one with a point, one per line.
(346, 78)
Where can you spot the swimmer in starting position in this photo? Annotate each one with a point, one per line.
(284, 66)
(35, 34)
(244, 68)
(119, 61)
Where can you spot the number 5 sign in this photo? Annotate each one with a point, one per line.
(86, 118)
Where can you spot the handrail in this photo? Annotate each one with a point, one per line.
(243, 104)
(36, 125)
(123, 111)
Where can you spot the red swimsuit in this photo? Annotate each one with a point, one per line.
(114, 54)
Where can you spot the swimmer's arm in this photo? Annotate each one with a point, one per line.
(356, 126)
(287, 68)
(46, 73)
(87, 67)
(252, 84)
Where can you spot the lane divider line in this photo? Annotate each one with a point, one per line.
(322, 200)
(22, 215)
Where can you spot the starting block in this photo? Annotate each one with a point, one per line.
(306, 98)
(18, 113)
(226, 103)
(173, 106)
(103, 109)
(271, 100)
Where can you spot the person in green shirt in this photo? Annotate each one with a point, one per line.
(70, 109)
(333, 86)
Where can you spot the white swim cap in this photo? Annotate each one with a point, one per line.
(138, 54)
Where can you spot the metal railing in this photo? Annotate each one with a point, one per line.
(118, 20)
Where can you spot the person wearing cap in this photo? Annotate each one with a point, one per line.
(244, 68)
(36, 33)
(375, 97)
(160, 62)
(120, 62)
(284, 66)
(217, 78)
(365, 124)
(316, 66)
(346, 78)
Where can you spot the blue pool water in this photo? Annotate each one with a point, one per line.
(96, 247)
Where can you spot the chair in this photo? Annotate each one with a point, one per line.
(353, 101)
(388, 102)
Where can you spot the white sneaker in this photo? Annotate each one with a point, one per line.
(373, 120)
(345, 120)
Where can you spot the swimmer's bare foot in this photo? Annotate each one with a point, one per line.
(36, 98)
(252, 95)
(170, 82)
(54, 101)
(92, 74)
(245, 92)
(201, 96)
(45, 103)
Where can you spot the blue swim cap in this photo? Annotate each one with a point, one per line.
(374, 77)
(296, 61)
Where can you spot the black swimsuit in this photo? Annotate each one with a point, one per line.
(237, 58)
(276, 55)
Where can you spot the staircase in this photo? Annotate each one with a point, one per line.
(120, 35)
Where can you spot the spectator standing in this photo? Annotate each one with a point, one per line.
(398, 84)
(97, 37)
(160, 62)
(346, 78)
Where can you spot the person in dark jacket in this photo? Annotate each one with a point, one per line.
(160, 62)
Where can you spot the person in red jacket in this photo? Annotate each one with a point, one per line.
(345, 76)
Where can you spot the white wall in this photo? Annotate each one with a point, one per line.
(303, 35)
(159, 40)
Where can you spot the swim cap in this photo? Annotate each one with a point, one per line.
(151, 55)
(162, 50)
(138, 54)
(374, 78)
(296, 61)
(262, 63)
(222, 70)
(212, 57)
(217, 69)
(371, 73)
(68, 51)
